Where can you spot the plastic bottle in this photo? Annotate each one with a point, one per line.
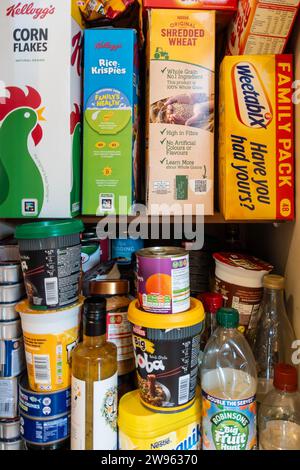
(229, 381)
(94, 383)
(274, 334)
(212, 302)
(279, 413)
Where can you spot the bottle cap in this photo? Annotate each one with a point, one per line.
(94, 316)
(112, 287)
(273, 281)
(285, 377)
(212, 301)
(228, 317)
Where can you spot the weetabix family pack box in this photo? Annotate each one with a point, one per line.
(261, 26)
(180, 111)
(256, 141)
(110, 128)
(40, 98)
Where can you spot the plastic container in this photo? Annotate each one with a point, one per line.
(166, 351)
(239, 279)
(49, 339)
(163, 282)
(50, 254)
(279, 413)
(142, 429)
(12, 349)
(228, 380)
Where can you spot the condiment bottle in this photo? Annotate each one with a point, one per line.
(228, 380)
(119, 330)
(212, 302)
(274, 334)
(279, 413)
(94, 383)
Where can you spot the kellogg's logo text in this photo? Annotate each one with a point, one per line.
(30, 9)
(252, 103)
(108, 45)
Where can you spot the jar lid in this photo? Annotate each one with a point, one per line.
(285, 377)
(228, 317)
(111, 287)
(212, 301)
(49, 228)
(273, 281)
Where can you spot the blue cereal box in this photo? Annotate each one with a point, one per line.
(110, 121)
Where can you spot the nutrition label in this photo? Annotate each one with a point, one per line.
(180, 284)
(119, 332)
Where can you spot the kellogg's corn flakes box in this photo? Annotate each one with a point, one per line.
(256, 142)
(40, 100)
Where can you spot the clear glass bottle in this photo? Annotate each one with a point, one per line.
(228, 378)
(94, 383)
(274, 335)
(279, 413)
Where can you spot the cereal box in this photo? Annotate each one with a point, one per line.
(229, 5)
(256, 143)
(180, 101)
(40, 99)
(110, 121)
(261, 27)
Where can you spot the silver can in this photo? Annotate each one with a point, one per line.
(9, 397)
(11, 292)
(9, 250)
(10, 272)
(8, 312)
(12, 354)
(17, 444)
(10, 329)
(9, 429)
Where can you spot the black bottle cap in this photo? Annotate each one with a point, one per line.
(94, 316)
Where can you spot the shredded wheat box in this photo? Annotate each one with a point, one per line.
(40, 100)
(256, 140)
(180, 111)
(261, 27)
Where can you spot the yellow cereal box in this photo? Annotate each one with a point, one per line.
(180, 100)
(256, 152)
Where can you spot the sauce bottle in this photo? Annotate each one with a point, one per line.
(228, 378)
(212, 302)
(279, 413)
(94, 383)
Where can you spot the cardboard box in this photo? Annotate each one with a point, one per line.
(180, 110)
(261, 27)
(229, 5)
(256, 142)
(110, 121)
(40, 98)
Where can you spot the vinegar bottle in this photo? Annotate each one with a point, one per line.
(228, 379)
(94, 383)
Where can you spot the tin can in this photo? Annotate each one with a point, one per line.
(9, 429)
(9, 250)
(12, 359)
(15, 444)
(10, 272)
(8, 312)
(163, 281)
(47, 432)
(9, 401)
(11, 292)
(43, 405)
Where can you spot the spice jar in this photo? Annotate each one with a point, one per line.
(119, 330)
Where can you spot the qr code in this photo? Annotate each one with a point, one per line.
(201, 186)
(106, 202)
(29, 207)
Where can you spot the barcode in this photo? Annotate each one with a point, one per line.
(183, 389)
(6, 408)
(51, 290)
(200, 186)
(41, 366)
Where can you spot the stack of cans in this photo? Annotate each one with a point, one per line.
(12, 360)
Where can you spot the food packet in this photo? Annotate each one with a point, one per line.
(98, 9)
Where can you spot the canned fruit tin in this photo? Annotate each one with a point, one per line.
(163, 281)
(10, 293)
(12, 357)
(9, 408)
(9, 429)
(10, 272)
(15, 444)
(50, 254)
(49, 339)
(141, 429)
(43, 405)
(45, 431)
(166, 352)
(8, 312)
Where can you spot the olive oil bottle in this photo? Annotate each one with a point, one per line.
(94, 383)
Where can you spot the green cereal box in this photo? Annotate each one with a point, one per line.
(110, 121)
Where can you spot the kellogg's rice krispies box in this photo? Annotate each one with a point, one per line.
(256, 142)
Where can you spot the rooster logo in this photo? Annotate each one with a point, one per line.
(20, 178)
